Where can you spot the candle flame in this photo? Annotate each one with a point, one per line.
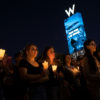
(45, 65)
(54, 67)
(2, 53)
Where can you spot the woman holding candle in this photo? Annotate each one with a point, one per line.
(32, 75)
(54, 73)
(91, 70)
(72, 77)
(69, 66)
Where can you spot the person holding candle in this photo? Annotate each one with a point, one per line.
(32, 75)
(54, 73)
(72, 77)
(69, 66)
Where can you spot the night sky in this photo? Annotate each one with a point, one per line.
(42, 22)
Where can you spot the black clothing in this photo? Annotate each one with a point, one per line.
(36, 90)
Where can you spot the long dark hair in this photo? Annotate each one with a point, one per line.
(45, 56)
(91, 60)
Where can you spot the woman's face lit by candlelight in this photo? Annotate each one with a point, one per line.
(32, 52)
(51, 53)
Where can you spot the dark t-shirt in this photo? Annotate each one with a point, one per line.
(30, 70)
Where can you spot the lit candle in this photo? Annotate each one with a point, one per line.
(75, 70)
(2, 53)
(54, 68)
(78, 67)
(45, 65)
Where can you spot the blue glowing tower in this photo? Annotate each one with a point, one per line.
(75, 33)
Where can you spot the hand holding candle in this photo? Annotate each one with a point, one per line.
(45, 65)
(2, 53)
(75, 70)
(54, 68)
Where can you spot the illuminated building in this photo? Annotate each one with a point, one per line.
(75, 33)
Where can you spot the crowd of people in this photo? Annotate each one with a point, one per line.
(50, 78)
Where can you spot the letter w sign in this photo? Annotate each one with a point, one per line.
(71, 10)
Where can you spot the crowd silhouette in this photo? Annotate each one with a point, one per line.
(49, 77)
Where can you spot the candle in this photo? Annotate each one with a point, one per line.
(54, 68)
(78, 67)
(75, 70)
(2, 53)
(45, 65)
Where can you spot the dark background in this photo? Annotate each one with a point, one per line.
(42, 22)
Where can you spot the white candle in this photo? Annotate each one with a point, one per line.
(2, 53)
(54, 68)
(45, 65)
